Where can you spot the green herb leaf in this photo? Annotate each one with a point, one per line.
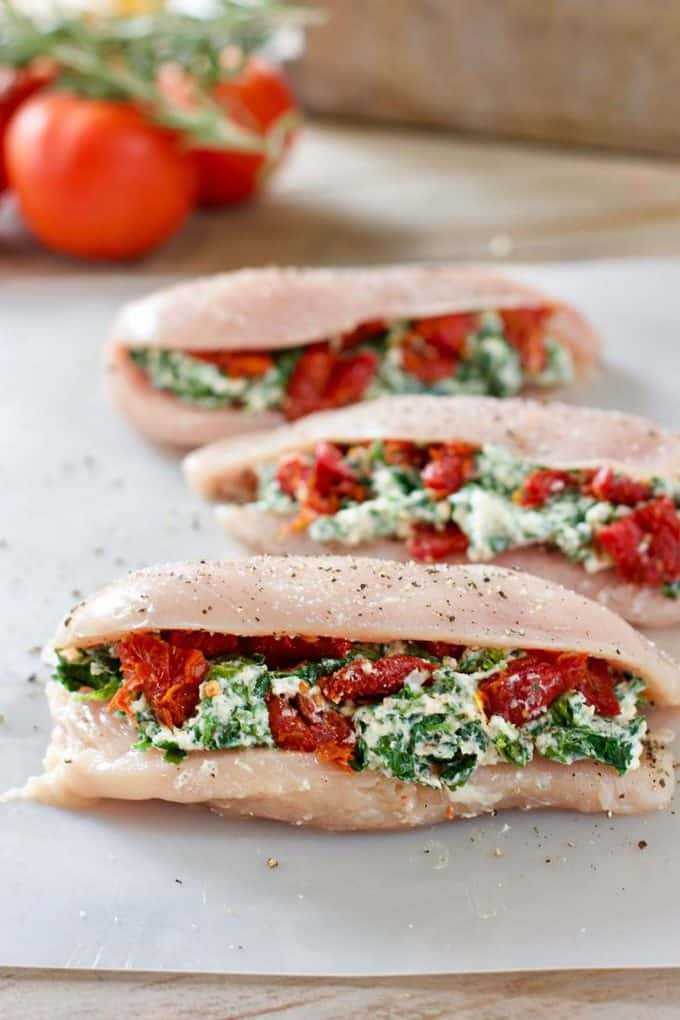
(481, 660)
(117, 57)
(173, 753)
(518, 752)
(95, 668)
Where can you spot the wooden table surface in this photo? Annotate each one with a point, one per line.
(352, 194)
(356, 194)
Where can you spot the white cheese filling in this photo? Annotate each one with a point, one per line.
(489, 365)
(484, 509)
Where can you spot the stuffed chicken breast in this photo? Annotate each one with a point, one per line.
(250, 349)
(354, 694)
(587, 498)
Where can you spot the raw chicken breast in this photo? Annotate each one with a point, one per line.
(272, 309)
(303, 789)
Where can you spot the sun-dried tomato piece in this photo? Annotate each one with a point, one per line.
(405, 454)
(540, 486)
(238, 364)
(450, 466)
(280, 652)
(606, 485)
(441, 649)
(524, 690)
(292, 473)
(645, 544)
(168, 675)
(593, 678)
(447, 333)
(289, 730)
(425, 361)
(426, 544)
(330, 468)
(309, 380)
(524, 328)
(365, 331)
(324, 378)
(530, 685)
(205, 641)
(364, 678)
(301, 725)
(319, 484)
(350, 378)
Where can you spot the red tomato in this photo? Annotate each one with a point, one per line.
(256, 98)
(94, 178)
(15, 88)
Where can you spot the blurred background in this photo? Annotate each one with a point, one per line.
(464, 129)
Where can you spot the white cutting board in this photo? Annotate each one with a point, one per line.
(155, 886)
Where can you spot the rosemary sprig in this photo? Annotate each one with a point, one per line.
(123, 58)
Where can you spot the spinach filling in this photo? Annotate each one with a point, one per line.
(96, 669)
(485, 509)
(490, 366)
(571, 730)
(204, 384)
(436, 734)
